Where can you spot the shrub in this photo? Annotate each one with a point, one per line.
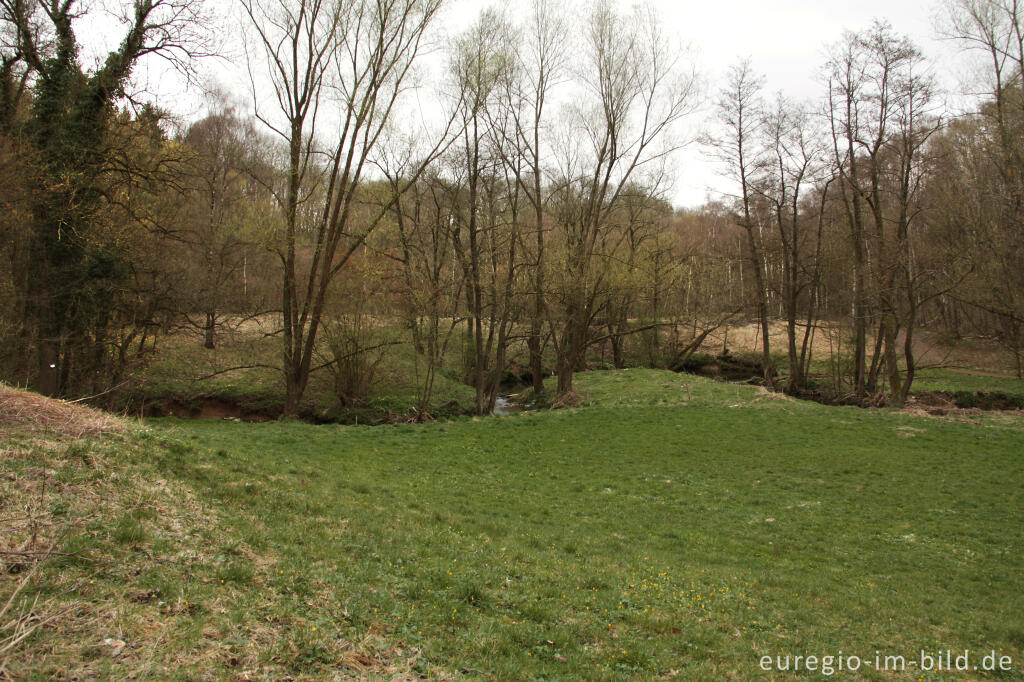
(966, 399)
(698, 361)
(355, 358)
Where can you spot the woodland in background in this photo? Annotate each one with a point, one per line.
(526, 226)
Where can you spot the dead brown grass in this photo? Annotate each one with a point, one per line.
(982, 356)
(26, 410)
(747, 338)
(764, 394)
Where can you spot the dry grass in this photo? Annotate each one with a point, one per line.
(764, 394)
(25, 410)
(62, 502)
(570, 399)
(982, 356)
(747, 338)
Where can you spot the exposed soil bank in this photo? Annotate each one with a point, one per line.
(219, 407)
(724, 367)
(207, 408)
(732, 370)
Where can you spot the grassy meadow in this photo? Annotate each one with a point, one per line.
(669, 527)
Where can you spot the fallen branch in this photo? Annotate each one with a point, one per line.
(257, 365)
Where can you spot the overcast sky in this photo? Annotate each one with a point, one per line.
(785, 40)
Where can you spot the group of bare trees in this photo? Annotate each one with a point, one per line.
(882, 113)
(979, 189)
(520, 219)
(532, 214)
(866, 208)
(520, 206)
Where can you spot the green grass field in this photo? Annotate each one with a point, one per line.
(670, 527)
(964, 380)
(662, 528)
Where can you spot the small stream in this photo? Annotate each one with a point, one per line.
(504, 406)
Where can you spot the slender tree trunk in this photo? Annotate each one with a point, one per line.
(535, 342)
(796, 375)
(876, 360)
(292, 336)
(618, 353)
(762, 308)
(908, 354)
(208, 331)
(795, 383)
(891, 363)
(860, 323)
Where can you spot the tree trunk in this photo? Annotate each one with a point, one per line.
(534, 343)
(795, 384)
(536, 357)
(208, 331)
(762, 309)
(564, 375)
(891, 364)
(295, 386)
(908, 354)
(618, 356)
(876, 361)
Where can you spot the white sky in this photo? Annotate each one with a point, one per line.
(785, 40)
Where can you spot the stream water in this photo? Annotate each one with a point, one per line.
(503, 406)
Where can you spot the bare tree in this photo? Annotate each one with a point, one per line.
(542, 60)
(880, 108)
(740, 113)
(994, 30)
(485, 251)
(634, 90)
(14, 76)
(432, 284)
(795, 161)
(845, 93)
(337, 71)
(215, 221)
(628, 254)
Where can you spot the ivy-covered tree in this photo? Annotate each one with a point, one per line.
(77, 268)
